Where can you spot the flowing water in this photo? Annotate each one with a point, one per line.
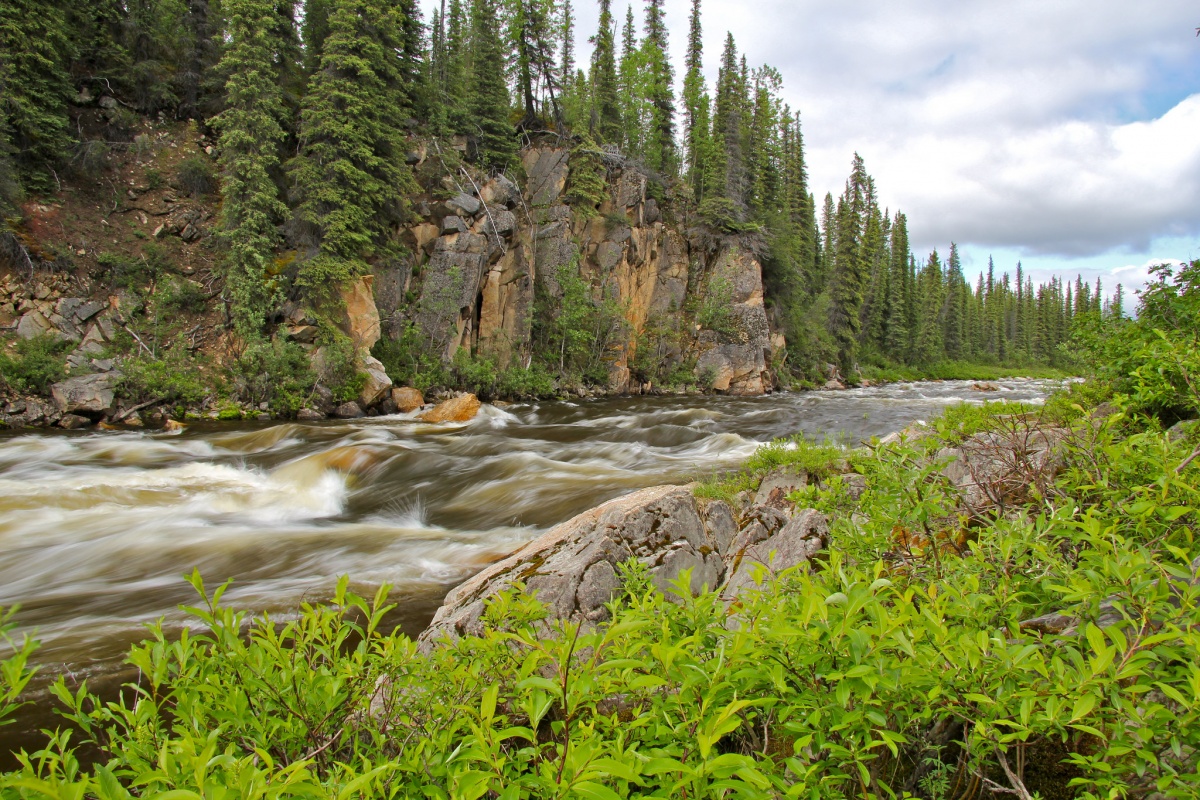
(96, 529)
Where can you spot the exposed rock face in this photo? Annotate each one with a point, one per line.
(573, 567)
(736, 358)
(86, 394)
(457, 409)
(480, 258)
(361, 322)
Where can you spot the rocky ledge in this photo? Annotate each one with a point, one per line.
(573, 568)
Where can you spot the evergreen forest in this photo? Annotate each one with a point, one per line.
(315, 108)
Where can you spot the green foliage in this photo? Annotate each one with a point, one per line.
(196, 177)
(36, 364)
(126, 272)
(338, 369)
(410, 361)
(819, 461)
(716, 307)
(661, 358)
(488, 100)
(575, 333)
(174, 377)
(587, 185)
(274, 372)
(179, 295)
(1153, 360)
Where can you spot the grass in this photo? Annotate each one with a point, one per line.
(816, 460)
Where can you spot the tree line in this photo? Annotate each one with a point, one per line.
(314, 103)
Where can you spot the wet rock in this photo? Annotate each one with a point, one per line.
(348, 410)
(407, 399)
(73, 422)
(984, 387)
(174, 426)
(573, 567)
(309, 415)
(86, 394)
(457, 409)
(834, 385)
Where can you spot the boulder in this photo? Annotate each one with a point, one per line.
(573, 567)
(86, 394)
(457, 409)
(995, 468)
(309, 415)
(33, 324)
(794, 544)
(73, 422)
(378, 383)
(407, 399)
(453, 224)
(349, 410)
(463, 205)
(499, 191)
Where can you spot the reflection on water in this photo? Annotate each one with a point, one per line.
(97, 528)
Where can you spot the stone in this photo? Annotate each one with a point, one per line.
(499, 221)
(834, 385)
(464, 204)
(305, 334)
(348, 410)
(85, 311)
(361, 320)
(378, 384)
(779, 482)
(87, 394)
(453, 224)
(546, 170)
(457, 409)
(994, 468)
(573, 567)
(73, 422)
(32, 324)
(794, 544)
(499, 191)
(309, 415)
(407, 399)
(174, 426)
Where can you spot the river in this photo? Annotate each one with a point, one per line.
(97, 528)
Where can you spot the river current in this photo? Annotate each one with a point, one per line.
(96, 529)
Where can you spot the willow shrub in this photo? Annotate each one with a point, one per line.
(897, 667)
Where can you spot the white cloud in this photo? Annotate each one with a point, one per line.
(1050, 130)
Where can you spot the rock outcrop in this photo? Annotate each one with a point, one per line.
(573, 568)
(457, 409)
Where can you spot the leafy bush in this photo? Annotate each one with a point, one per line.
(175, 377)
(196, 176)
(574, 334)
(37, 363)
(409, 361)
(277, 373)
(716, 307)
(128, 273)
(531, 382)
(180, 295)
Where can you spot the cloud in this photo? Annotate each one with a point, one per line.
(1054, 130)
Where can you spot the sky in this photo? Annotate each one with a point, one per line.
(1063, 134)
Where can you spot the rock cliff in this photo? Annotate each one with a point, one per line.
(489, 258)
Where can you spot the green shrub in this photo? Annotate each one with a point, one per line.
(530, 383)
(409, 360)
(174, 377)
(277, 373)
(196, 176)
(180, 295)
(37, 363)
(124, 272)
(574, 335)
(476, 374)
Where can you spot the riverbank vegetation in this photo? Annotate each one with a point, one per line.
(1042, 640)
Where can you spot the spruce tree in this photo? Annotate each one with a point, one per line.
(931, 291)
(728, 121)
(849, 276)
(35, 51)
(496, 144)
(660, 147)
(606, 111)
(953, 311)
(694, 93)
(250, 137)
(349, 176)
(896, 323)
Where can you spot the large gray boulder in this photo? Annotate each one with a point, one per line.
(88, 395)
(573, 567)
(997, 468)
